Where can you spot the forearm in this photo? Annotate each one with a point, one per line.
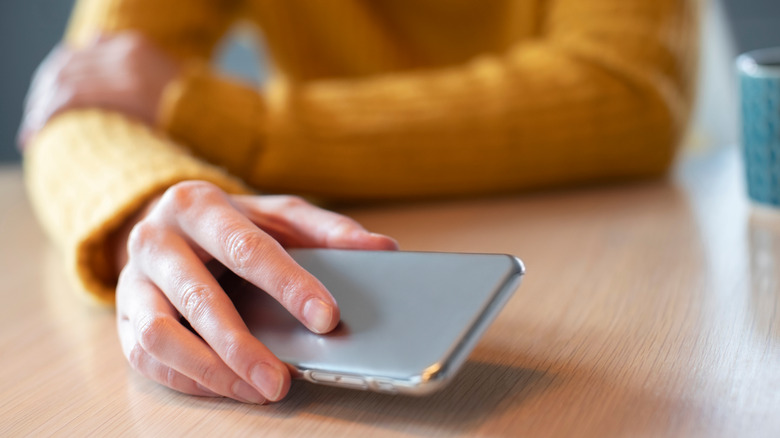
(591, 99)
(550, 118)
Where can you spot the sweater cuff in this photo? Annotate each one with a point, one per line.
(88, 171)
(219, 120)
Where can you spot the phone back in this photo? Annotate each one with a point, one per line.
(408, 319)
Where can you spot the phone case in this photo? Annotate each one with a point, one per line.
(408, 319)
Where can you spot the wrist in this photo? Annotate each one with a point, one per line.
(218, 119)
(116, 242)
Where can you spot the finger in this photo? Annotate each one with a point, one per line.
(153, 369)
(175, 269)
(214, 224)
(23, 136)
(46, 73)
(54, 101)
(65, 80)
(142, 361)
(77, 84)
(158, 345)
(296, 223)
(42, 86)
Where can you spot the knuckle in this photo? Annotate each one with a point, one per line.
(338, 228)
(341, 224)
(185, 195)
(289, 285)
(152, 331)
(291, 201)
(195, 301)
(170, 378)
(137, 357)
(208, 374)
(242, 247)
(142, 235)
(233, 352)
(232, 348)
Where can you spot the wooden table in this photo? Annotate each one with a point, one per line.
(649, 309)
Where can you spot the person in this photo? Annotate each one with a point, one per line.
(143, 163)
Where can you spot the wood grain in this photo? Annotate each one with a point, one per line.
(649, 309)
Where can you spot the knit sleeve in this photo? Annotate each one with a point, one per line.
(88, 170)
(602, 93)
(185, 29)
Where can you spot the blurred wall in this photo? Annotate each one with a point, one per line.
(755, 23)
(729, 27)
(28, 30)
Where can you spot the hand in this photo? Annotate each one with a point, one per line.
(123, 72)
(166, 277)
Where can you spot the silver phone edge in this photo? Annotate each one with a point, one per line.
(437, 375)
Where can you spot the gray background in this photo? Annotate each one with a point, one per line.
(754, 23)
(29, 28)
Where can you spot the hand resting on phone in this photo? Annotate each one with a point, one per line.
(165, 276)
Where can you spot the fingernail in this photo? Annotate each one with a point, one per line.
(318, 315)
(393, 243)
(268, 379)
(246, 393)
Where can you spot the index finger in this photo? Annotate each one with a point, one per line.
(170, 263)
(215, 225)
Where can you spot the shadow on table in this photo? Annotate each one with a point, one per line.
(481, 390)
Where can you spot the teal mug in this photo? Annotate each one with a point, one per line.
(759, 77)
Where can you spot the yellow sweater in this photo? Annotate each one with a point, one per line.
(374, 99)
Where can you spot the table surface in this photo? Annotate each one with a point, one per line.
(648, 309)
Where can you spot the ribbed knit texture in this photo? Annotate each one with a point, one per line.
(89, 170)
(377, 99)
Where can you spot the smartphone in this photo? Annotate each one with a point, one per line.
(408, 319)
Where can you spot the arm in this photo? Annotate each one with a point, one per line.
(602, 94)
(89, 170)
(95, 179)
